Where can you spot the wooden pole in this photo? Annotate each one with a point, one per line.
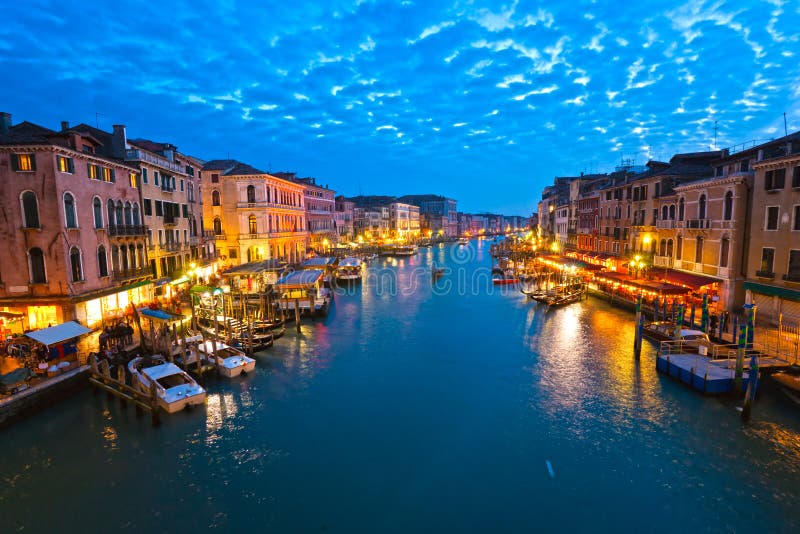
(752, 386)
(637, 339)
(154, 408)
(121, 380)
(297, 314)
(740, 350)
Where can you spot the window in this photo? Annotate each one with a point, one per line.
(190, 170)
(669, 248)
(681, 209)
(701, 207)
(75, 264)
(251, 194)
(69, 211)
(744, 165)
(144, 175)
(215, 178)
(662, 251)
(698, 251)
(796, 223)
(118, 212)
(136, 219)
(679, 248)
(155, 177)
(727, 211)
(217, 226)
(66, 164)
(796, 177)
(102, 261)
(93, 171)
(30, 210)
(23, 162)
(181, 185)
(185, 210)
(133, 180)
(233, 253)
(97, 210)
(159, 209)
(108, 175)
(772, 217)
(128, 214)
(724, 247)
(110, 207)
(794, 266)
(774, 179)
(767, 260)
(252, 224)
(215, 198)
(36, 265)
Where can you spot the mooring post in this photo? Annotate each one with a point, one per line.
(297, 314)
(740, 350)
(121, 383)
(750, 317)
(637, 338)
(691, 317)
(752, 386)
(155, 418)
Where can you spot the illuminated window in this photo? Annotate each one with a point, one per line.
(108, 175)
(134, 180)
(252, 224)
(66, 164)
(23, 162)
(75, 264)
(93, 171)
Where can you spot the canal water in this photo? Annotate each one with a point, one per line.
(419, 406)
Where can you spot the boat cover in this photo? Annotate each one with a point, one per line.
(58, 333)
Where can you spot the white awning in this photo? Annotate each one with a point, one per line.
(58, 333)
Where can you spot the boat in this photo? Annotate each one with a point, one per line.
(789, 382)
(463, 241)
(691, 339)
(560, 295)
(399, 250)
(175, 389)
(503, 277)
(237, 333)
(230, 361)
(304, 290)
(349, 270)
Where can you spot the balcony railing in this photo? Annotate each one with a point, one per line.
(698, 224)
(663, 261)
(134, 154)
(171, 247)
(194, 240)
(665, 224)
(766, 274)
(127, 274)
(127, 229)
(792, 277)
(272, 235)
(261, 204)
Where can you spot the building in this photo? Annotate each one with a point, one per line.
(404, 221)
(74, 226)
(438, 214)
(343, 219)
(320, 205)
(773, 262)
(254, 215)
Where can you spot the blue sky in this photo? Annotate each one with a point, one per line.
(482, 101)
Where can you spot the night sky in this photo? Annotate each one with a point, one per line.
(481, 101)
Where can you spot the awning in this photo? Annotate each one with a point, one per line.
(317, 261)
(255, 267)
(58, 333)
(773, 291)
(179, 281)
(300, 279)
(201, 289)
(161, 282)
(681, 278)
(160, 315)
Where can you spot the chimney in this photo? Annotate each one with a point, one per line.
(5, 122)
(64, 125)
(119, 141)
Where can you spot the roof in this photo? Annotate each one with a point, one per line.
(307, 277)
(58, 333)
(243, 169)
(151, 146)
(317, 261)
(26, 133)
(681, 278)
(231, 167)
(219, 164)
(160, 315)
(255, 267)
(160, 371)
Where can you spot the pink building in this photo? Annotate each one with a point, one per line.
(73, 231)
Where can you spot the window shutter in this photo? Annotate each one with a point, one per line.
(71, 164)
(89, 169)
(33, 161)
(14, 162)
(113, 175)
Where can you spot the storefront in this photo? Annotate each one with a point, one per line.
(107, 308)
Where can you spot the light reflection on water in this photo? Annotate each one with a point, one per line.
(420, 405)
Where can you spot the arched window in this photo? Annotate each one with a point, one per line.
(217, 226)
(701, 208)
(128, 214)
(36, 260)
(698, 251)
(669, 248)
(30, 210)
(268, 194)
(140, 255)
(664, 213)
(132, 257)
(118, 211)
(75, 264)
(123, 258)
(110, 208)
(681, 209)
(663, 247)
(252, 224)
(102, 261)
(215, 198)
(728, 207)
(136, 219)
(251, 194)
(97, 209)
(672, 212)
(115, 258)
(69, 211)
(679, 248)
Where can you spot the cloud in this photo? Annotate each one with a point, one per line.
(432, 30)
(301, 97)
(594, 43)
(512, 79)
(541, 91)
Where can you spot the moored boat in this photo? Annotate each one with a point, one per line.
(175, 389)
(789, 382)
(230, 361)
(349, 270)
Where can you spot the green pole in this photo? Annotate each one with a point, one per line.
(678, 323)
(740, 350)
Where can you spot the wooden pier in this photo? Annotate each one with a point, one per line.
(100, 376)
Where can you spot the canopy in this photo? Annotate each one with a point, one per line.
(202, 289)
(160, 315)
(694, 281)
(58, 333)
(317, 261)
(350, 262)
(773, 291)
(300, 279)
(255, 267)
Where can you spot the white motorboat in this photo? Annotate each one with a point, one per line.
(230, 361)
(175, 389)
(349, 269)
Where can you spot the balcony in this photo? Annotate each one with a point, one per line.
(170, 220)
(272, 235)
(665, 224)
(194, 240)
(261, 204)
(766, 274)
(698, 224)
(134, 154)
(171, 247)
(128, 274)
(663, 261)
(792, 277)
(127, 230)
